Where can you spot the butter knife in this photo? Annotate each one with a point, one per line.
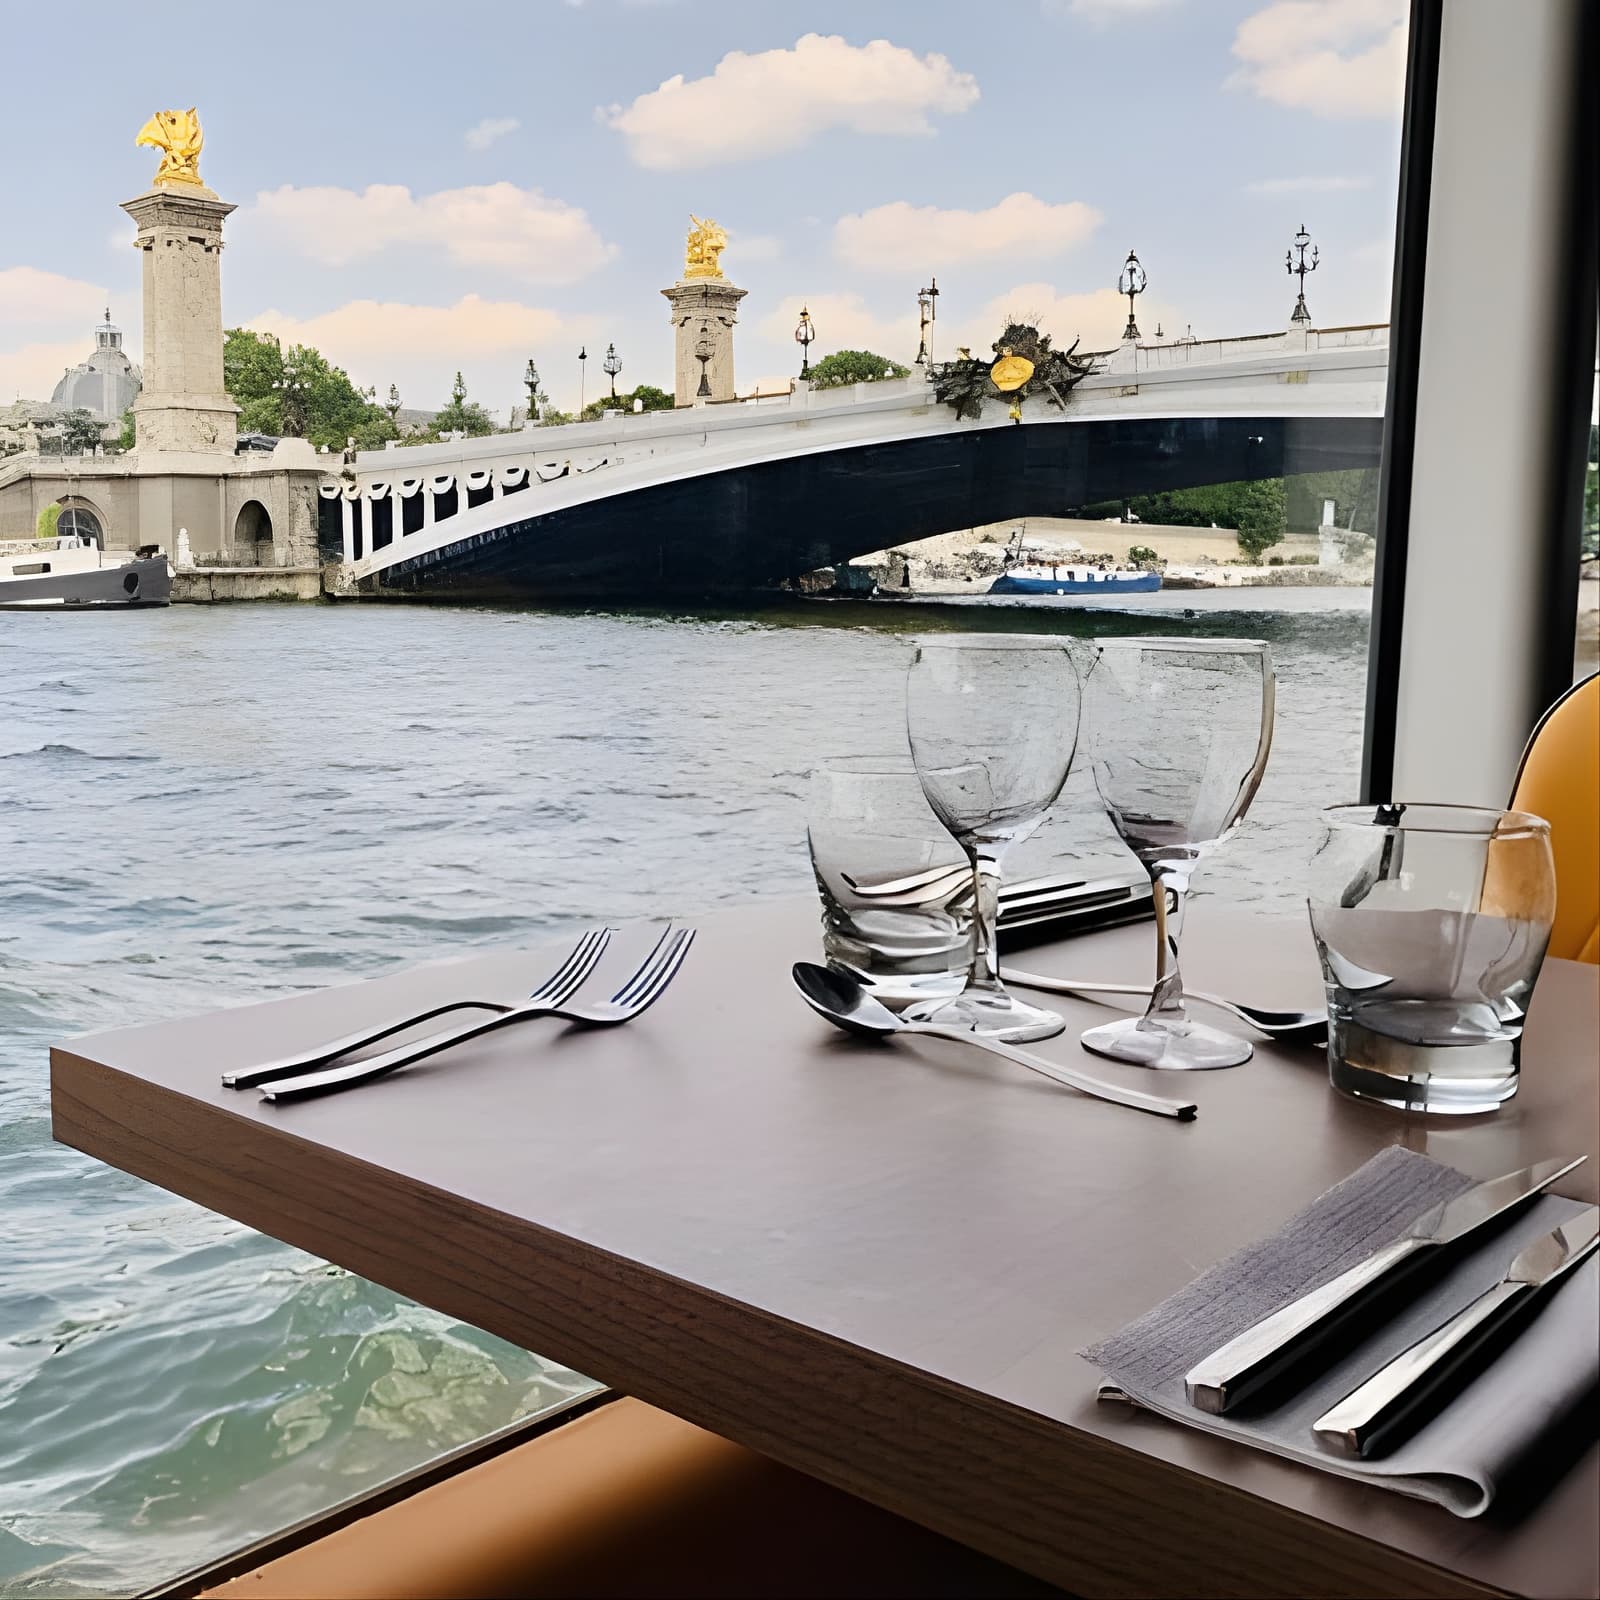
(1263, 1351)
(1368, 1417)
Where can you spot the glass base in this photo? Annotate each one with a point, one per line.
(994, 1014)
(1459, 1080)
(1171, 1047)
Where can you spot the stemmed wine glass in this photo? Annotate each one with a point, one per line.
(1179, 731)
(993, 721)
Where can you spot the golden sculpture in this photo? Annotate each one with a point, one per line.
(706, 243)
(1010, 372)
(177, 135)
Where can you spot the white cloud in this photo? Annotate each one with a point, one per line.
(1334, 58)
(32, 371)
(843, 322)
(518, 231)
(484, 134)
(1102, 11)
(903, 238)
(32, 300)
(1097, 316)
(420, 347)
(759, 105)
(1306, 185)
(46, 320)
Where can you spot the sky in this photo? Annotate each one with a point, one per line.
(423, 188)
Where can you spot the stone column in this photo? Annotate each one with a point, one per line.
(183, 405)
(711, 304)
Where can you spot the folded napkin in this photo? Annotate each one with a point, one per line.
(1470, 1449)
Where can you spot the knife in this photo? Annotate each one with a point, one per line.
(1366, 1419)
(1262, 1352)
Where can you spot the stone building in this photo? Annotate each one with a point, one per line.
(255, 508)
(106, 383)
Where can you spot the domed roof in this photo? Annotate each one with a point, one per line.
(106, 382)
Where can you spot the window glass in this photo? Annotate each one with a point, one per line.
(1194, 200)
(1586, 654)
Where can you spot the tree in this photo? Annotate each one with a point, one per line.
(854, 366)
(128, 438)
(295, 393)
(48, 518)
(462, 415)
(654, 400)
(392, 406)
(80, 433)
(1259, 519)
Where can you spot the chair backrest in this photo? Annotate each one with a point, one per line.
(1559, 780)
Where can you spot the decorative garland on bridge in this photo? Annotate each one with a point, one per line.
(1025, 366)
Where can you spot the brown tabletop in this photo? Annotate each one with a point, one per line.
(874, 1264)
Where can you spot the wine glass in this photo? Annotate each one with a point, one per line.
(1179, 731)
(993, 721)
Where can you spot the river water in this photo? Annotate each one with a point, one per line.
(204, 807)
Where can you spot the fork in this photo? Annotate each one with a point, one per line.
(637, 994)
(559, 986)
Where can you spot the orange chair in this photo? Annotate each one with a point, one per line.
(1559, 780)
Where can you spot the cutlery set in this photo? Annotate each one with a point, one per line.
(1390, 1403)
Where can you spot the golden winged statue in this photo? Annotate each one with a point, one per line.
(177, 135)
(706, 243)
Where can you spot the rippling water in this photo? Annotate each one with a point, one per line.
(203, 807)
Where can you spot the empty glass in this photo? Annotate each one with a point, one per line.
(993, 721)
(1431, 922)
(896, 888)
(1179, 731)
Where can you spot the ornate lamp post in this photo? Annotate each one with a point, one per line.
(927, 315)
(531, 378)
(1300, 269)
(804, 334)
(583, 356)
(703, 352)
(1131, 281)
(612, 366)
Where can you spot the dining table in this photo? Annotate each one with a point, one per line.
(877, 1263)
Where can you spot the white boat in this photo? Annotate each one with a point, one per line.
(72, 573)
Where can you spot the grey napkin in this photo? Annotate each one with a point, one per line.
(1467, 1451)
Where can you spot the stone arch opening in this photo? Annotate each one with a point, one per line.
(252, 532)
(74, 517)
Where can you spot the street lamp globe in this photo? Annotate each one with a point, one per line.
(805, 331)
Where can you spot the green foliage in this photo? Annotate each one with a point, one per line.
(654, 400)
(48, 518)
(76, 433)
(297, 393)
(462, 415)
(551, 418)
(128, 438)
(1142, 555)
(1591, 515)
(1259, 522)
(853, 366)
(1354, 494)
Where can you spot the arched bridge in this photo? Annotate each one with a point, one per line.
(736, 496)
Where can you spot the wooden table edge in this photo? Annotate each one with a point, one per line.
(695, 1353)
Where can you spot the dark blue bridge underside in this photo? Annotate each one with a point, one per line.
(749, 527)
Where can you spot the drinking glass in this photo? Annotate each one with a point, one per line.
(993, 721)
(1179, 731)
(1431, 922)
(896, 889)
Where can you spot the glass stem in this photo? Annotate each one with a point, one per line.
(1166, 997)
(985, 974)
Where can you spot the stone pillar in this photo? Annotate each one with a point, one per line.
(710, 304)
(183, 405)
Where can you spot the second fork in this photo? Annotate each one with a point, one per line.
(640, 991)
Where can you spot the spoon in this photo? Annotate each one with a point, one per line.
(846, 1004)
(1290, 1027)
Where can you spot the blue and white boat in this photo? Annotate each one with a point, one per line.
(1074, 578)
